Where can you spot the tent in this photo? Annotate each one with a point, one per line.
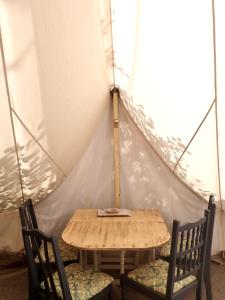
(59, 61)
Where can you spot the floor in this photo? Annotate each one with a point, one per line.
(13, 285)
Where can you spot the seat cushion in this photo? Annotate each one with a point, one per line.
(67, 252)
(165, 250)
(83, 284)
(154, 276)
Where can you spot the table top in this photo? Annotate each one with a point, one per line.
(144, 229)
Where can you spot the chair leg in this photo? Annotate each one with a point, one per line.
(199, 292)
(29, 288)
(31, 294)
(123, 288)
(208, 284)
(110, 297)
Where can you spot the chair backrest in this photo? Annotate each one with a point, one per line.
(49, 287)
(27, 216)
(188, 250)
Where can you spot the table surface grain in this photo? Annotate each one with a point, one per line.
(144, 229)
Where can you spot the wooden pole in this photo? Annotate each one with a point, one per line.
(115, 98)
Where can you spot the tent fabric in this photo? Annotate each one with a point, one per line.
(173, 70)
(58, 90)
(146, 181)
(90, 184)
(59, 61)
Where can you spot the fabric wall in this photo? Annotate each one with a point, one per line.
(146, 181)
(166, 73)
(169, 61)
(55, 76)
(58, 61)
(89, 185)
(58, 72)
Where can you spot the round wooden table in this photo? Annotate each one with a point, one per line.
(144, 229)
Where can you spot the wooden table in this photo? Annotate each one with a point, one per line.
(144, 229)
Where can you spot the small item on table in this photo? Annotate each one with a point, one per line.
(114, 212)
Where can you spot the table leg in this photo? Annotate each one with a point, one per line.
(95, 253)
(99, 260)
(85, 258)
(136, 259)
(122, 261)
(151, 255)
(81, 259)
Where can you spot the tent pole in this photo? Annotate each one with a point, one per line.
(115, 99)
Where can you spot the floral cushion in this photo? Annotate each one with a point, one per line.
(165, 250)
(67, 252)
(83, 284)
(154, 276)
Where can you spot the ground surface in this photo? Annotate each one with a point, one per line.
(13, 285)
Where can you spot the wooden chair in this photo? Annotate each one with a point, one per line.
(28, 219)
(69, 282)
(185, 270)
(165, 250)
(207, 273)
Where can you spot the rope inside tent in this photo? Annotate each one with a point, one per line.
(11, 115)
(12, 112)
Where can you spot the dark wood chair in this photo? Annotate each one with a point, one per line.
(69, 282)
(28, 219)
(165, 250)
(207, 273)
(185, 270)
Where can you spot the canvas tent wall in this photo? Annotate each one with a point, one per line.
(59, 62)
